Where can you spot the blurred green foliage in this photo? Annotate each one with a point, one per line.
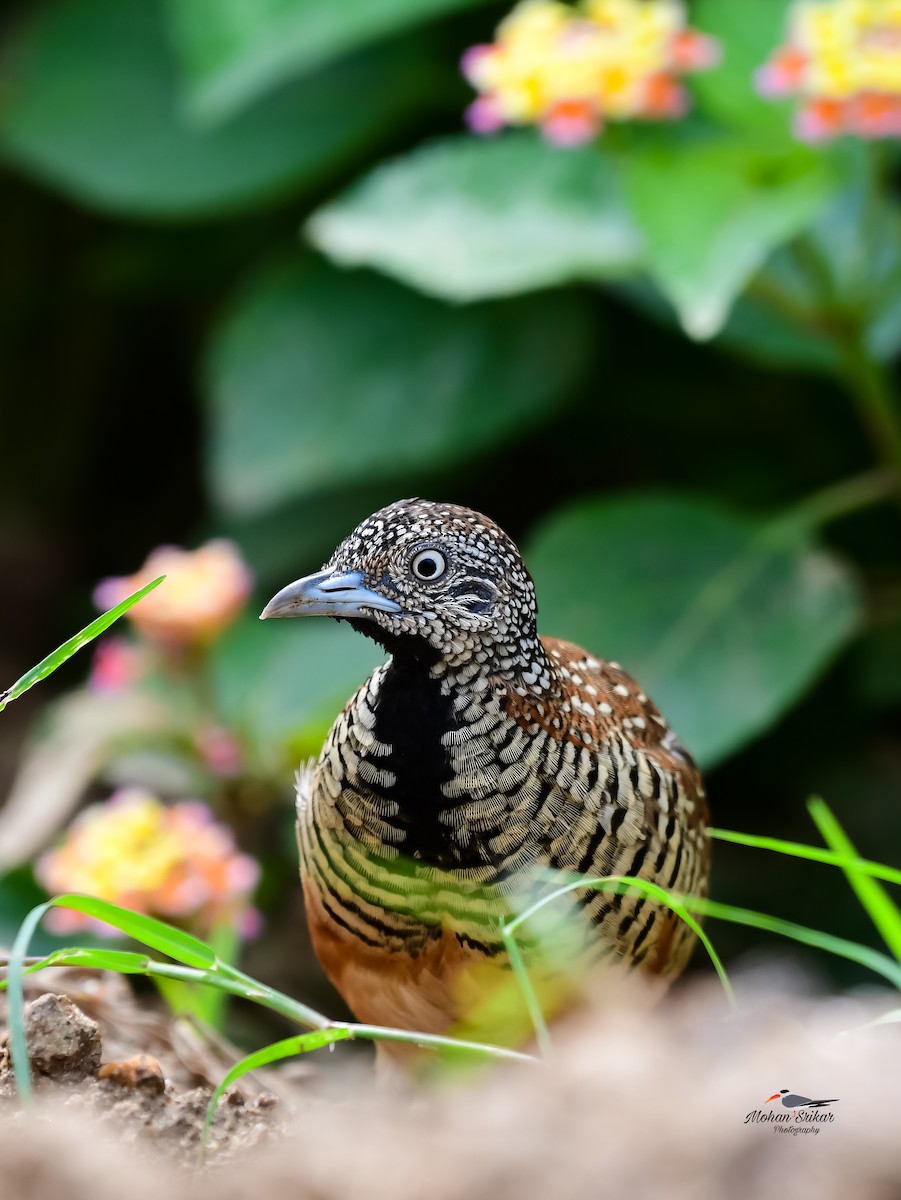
(255, 264)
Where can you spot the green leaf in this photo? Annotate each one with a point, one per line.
(775, 322)
(49, 664)
(467, 218)
(711, 213)
(320, 378)
(19, 893)
(684, 906)
(749, 32)
(90, 105)
(723, 619)
(853, 257)
(235, 50)
(286, 681)
(778, 320)
(158, 935)
(844, 271)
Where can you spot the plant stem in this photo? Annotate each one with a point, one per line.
(870, 386)
(840, 500)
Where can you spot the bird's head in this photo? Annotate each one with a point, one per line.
(435, 581)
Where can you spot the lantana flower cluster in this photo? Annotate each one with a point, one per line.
(173, 861)
(843, 59)
(569, 70)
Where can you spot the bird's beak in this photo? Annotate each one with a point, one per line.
(776, 1097)
(328, 593)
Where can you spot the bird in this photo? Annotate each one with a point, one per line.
(478, 759)
(794, 1102)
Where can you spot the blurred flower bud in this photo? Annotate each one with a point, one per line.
(116, 665)
(220, 751)
(203, 592)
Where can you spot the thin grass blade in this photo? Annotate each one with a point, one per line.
(625, 883)
(287, 1048)
(813, 853)
(49, 664)
(126, 962)
(529, 994)
(866, 956)
(15, 1005)
(879, 906)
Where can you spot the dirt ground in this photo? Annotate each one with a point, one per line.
(97, 1050)
(636, 1102)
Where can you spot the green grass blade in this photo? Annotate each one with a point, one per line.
(287, 1048)
(126, 962)
(259, 993)
(49, 664)
(813, 853)
(613, 883)
(705, 941)
(529, 994)
(158, 935)
(879, 906)
(866, 956)
(15, 1012)
(433, 1041)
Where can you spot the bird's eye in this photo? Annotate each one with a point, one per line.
(429, 564)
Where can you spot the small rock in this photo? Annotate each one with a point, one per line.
(142, 1071)
(63, 1042)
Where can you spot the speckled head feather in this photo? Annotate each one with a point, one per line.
(464, 593)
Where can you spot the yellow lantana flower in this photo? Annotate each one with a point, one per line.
(569, 69)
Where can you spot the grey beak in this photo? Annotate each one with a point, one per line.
(328, 593)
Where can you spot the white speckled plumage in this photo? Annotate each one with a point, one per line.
(476, 755)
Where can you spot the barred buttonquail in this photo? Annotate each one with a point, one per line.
(477, 757)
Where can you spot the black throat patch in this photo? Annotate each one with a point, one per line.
(412, 716)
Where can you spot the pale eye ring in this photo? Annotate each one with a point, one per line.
(429, 565)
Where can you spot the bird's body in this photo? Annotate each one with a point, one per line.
(478, 759)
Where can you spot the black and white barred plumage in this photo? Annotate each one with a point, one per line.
(472, 763)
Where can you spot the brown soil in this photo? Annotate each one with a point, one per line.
(131, 1088)
(637, 1103)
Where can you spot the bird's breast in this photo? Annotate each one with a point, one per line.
(418, 770)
